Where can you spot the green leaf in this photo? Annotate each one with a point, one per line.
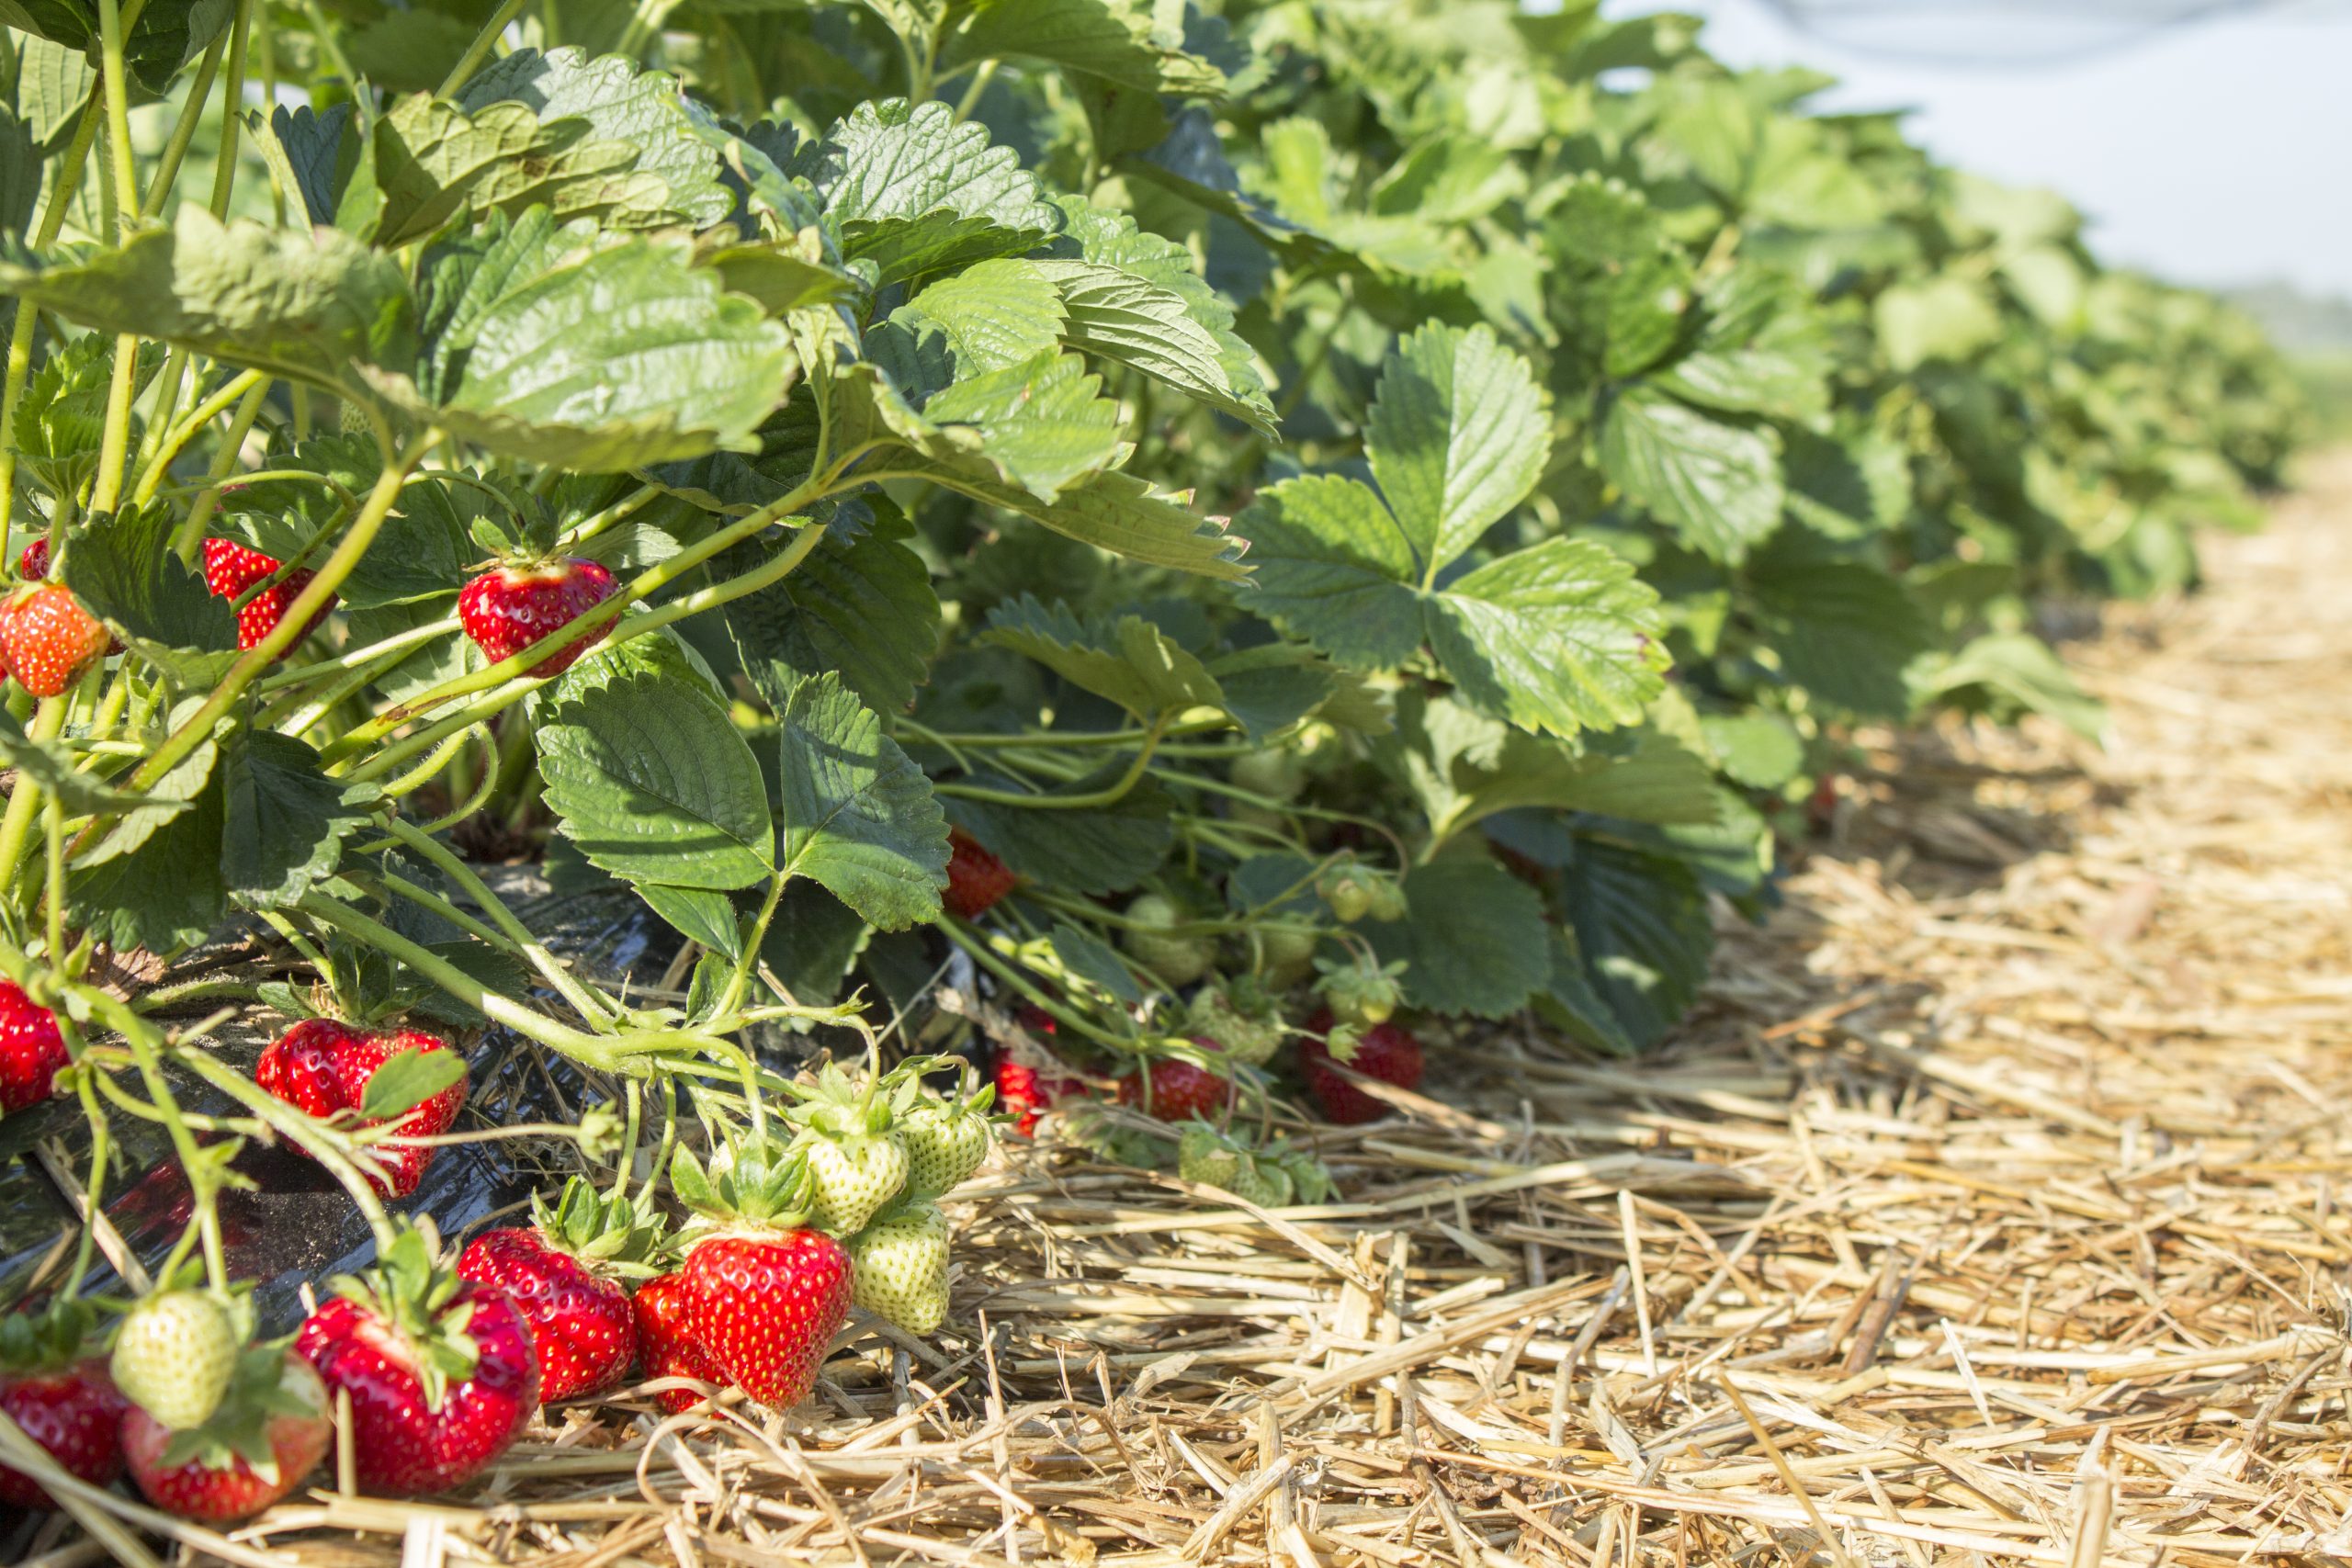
(1040, 424)
(1111, 511)
(1091, 851)
(284, 820)
(1641, 921)
(161, 40)
(166, 894)
(653, 782)
(122, 569)
(1108, 239)
(52, 83)
(857, 815)
(1334, 568)
(1135, 323)
(1090, 959)
(865, 608)
(698, 914)
(1129, 661)
(407, 1080)
(431, 161)
(312, 153)
(643, 110)
(1718, 484)
(1560, 637)
(313, 306)
(1938, 318)
(1843, 631)
(1120, 41)
(1759, 750)
(1569, 1001)
(1474, 940)
(621, 357)
(992, 315)
(2014, 671)
(813, 942)
(1458, 433)
(916, 192)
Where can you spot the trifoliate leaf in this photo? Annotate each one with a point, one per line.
(1040, 424)
(865, 608)
(1111, 511)
(121, 567)
(1842, 630)
(857, 815)
(1641, 922)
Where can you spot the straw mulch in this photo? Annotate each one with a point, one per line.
(1985, 1213)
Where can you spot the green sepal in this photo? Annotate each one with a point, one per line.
(411, 1293)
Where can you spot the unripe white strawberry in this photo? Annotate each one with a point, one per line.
(854, 1177)
(901, 1269)
(174, 1357)
(944, 1142)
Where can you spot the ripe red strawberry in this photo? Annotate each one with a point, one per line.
(1385, 1052)
(33, 565)
(763, 1296)
(31, 1050)
(231, 568)
(270, 1434)
(664, 1346)
(1180, 1090)
(75, 1412)
(560, 1270)
(440, 1371)
(1031, 1081)
(322, 1066)
(508, 608)
(765, 1307)
(48, 638)
(975, 879)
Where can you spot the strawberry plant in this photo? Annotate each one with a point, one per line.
(1195, 515)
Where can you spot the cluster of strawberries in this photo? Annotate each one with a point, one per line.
(48, 640)
(443, 1364)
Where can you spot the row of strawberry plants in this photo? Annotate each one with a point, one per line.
(1249, 530)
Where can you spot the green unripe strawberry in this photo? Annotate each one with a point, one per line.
(1277, 776)
(854, 1177)
(1288, 952)
(1178, 959)
(945, 1142)
(1387, 899)
(901, 1269)
(1238, 1017)
(1361, 992)
(1348, 889)
(175, 1356)
(1216, 1159)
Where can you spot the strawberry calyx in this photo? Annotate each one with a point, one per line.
(609, 1233)
(414, 1314)
(846, 1110)
(64, 1335)
(753, 1182)
(267, 1384)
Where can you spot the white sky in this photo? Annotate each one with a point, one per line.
(2219, 153)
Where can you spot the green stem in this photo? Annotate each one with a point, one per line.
(567, 985)
(167, 173)
(750, 957)
(497, 24)
(114, 442)
(190, 536)
(965, 938)
(158, 468)
(232, 109)
(1092, 799)
(1050, 739)
(20, 341)
(606, 1054)
(25, 798)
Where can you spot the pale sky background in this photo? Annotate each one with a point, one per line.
(2215, 153)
